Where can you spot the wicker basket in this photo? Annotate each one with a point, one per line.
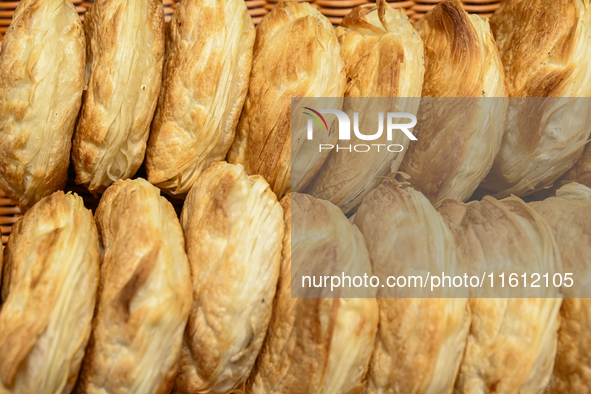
(256, 8)
(9, 214)
(483, 8)
(335, 10)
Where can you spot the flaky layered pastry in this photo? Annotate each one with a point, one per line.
(233, 228)
(383, 56)
(459, 135)
(569, 215)
(545, 47)
(512, 341)
(296, 54)
(205, 81)
(144, 297)
(41, 83)
(420, 341)
(580, 172)
(51, 276)
(317, 345)
(125, 54)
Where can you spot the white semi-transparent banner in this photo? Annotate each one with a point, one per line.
(440, 197)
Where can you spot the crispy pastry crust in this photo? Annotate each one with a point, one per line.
(50, 281)
(512, 341)
(296, 54)
(420, 342)
(41, 83)
(460, 135)
(383, 57)
(569, 215)
(206, 75)
(316, 345)
(545, 47)
(233, 226)
(144, 297)
(125, 54)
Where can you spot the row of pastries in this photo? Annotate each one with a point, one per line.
(505, 107)
(136, 301)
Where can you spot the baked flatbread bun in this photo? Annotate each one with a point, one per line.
(383, 57)
(206, 75)
(317, 345)
(144, 297)
(296, 54)
(125, 54)
(233, 227)
(512, 341)
(569, 215)
(49, 286)
(420, 341)
(41, 84)
(460, 134)
(545, 47)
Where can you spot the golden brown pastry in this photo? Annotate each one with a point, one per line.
(512, 341)
(233, 228)
(420, 341)
(317, 345)
(383, 57)
(296, 54)
(545, 47)
(459, 135)
(144, 297)
(50, 281)
(569, 215)
(41, 84)
(125, 54)
(205, 82)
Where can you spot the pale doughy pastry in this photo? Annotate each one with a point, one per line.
(206, 73)
(233, 227)
(545, 47)
(317, 345)
(581, 171)
(459, 135)
(420, 341)
(144, 296)
(383, 57)
(296, 54)
(41, 84)
(569, 215)
(512, 341)
(50, 281)
(125, 54)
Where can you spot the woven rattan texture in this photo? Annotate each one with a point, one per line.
(333, 9)
(9, 214)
